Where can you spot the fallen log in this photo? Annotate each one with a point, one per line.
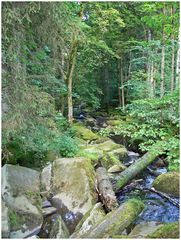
(116, 221)
(137, 167)
(105, 190)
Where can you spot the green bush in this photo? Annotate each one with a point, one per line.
(156, 121)
(65, 145)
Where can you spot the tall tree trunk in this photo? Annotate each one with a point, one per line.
(177, 69)
(162, 88)
(62, 98)
(72, 61)
(119, 84)
(121, 80)
(106, 77)
(149, 61)
(173, 54)
(152, 81)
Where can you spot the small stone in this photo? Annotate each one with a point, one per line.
(49, 211)
(116, 168)
(46, 204)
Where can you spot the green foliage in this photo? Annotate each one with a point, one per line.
(156, 122)
(66, 146)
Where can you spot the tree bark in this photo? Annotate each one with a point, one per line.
(119, 84)
(173, 53)
(106, 76)
(122, 86)
(105, 189)
(121, 81)
(149, 61)
(135, 169)
(177, 67)
(162, 88)
(116, 221)
(152, 81)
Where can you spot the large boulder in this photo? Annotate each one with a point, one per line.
(168, 183)
(84, 133)
(73, 187)
(21, 196)
(168, 230)
(108, 152)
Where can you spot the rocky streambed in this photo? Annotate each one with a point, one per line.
(62, 200)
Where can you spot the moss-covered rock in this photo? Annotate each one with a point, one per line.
(84, 133)
(92, 217)
(59, 229)
(108, 152)
(168, 183)
(117, 168)
(73, 186)
(143, 229)
(21, 195)
(116, 221)
(169, 230)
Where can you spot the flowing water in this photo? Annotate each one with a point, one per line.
(157, 208)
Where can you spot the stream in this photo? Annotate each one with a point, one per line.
(157, 209)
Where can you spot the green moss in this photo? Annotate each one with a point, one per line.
(119, 236)
(16, 221)
(114, 122)
(93, 156)
(84, 133)
(35, 199)
(169, 230)
(109, 160)
(168, 183)
(87, 166)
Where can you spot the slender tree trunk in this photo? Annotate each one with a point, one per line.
(72, 61)
(122, 86)
(106, 76)
(149, 61)
(152, 81)
(62, 98)
(162, 88)
(173, 55)
(177, 69)
(121, 80)
(119, 84)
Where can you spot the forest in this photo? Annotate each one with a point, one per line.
(90, 119)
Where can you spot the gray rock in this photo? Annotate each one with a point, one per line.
(117, 168)
(5, 225)
(73, 184)
(91, 218)
(46, 204)
(49, 211)
(46, 176)
(59, 229)
(21, 195)
(143, 229)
